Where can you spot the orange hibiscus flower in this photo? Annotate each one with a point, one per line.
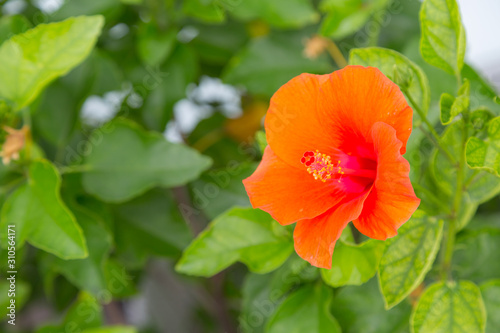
(334, 156)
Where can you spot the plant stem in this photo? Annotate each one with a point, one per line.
(336, 54)
(457, 201)
(435, 137)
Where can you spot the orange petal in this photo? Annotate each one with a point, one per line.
(289, 194)
(392, 200)
(315, 238)
(336, 110)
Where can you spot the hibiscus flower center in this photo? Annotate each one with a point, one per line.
(322, 167)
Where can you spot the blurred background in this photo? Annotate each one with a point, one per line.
(201, 72)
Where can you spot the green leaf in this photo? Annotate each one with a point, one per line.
(33, 59)
(277, 57)
(128, 161)
(108, 8)
(445, 105)
(245, 235)
(261, 139)
(119, 283)
(216, 44)
(169, 86)
(475, 251)
(221, 189)
(282, 14)
(348, 16)
(450, 307)
(491, 296)
(442, 42)
(306, 310)
(459, 104)
(210, 11)
(12, 25)
(408, 257)
(87, 274)
(480, 118)
(47, 224)
(353, 264)
(153, 45)
(263, 293)
(85, 313)
(361, 309)
(485, 154)
(481, 186)
(150, 225)
(413, 80)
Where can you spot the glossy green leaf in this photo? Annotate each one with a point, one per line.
(33, 59)
(361, 309)
(279, 13)
(485, 154)
(491, 297)
(412, 79)
(481, 186)
(245, 235)
(277, 57)
(128, 161)
(450, 307)
(442, 42)
(47, 224)
(346, 17)
(353, 264)
(408, 257)
(306, 310)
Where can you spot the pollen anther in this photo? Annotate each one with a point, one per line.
(321, 166)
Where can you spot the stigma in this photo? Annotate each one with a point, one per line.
(321, 166)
